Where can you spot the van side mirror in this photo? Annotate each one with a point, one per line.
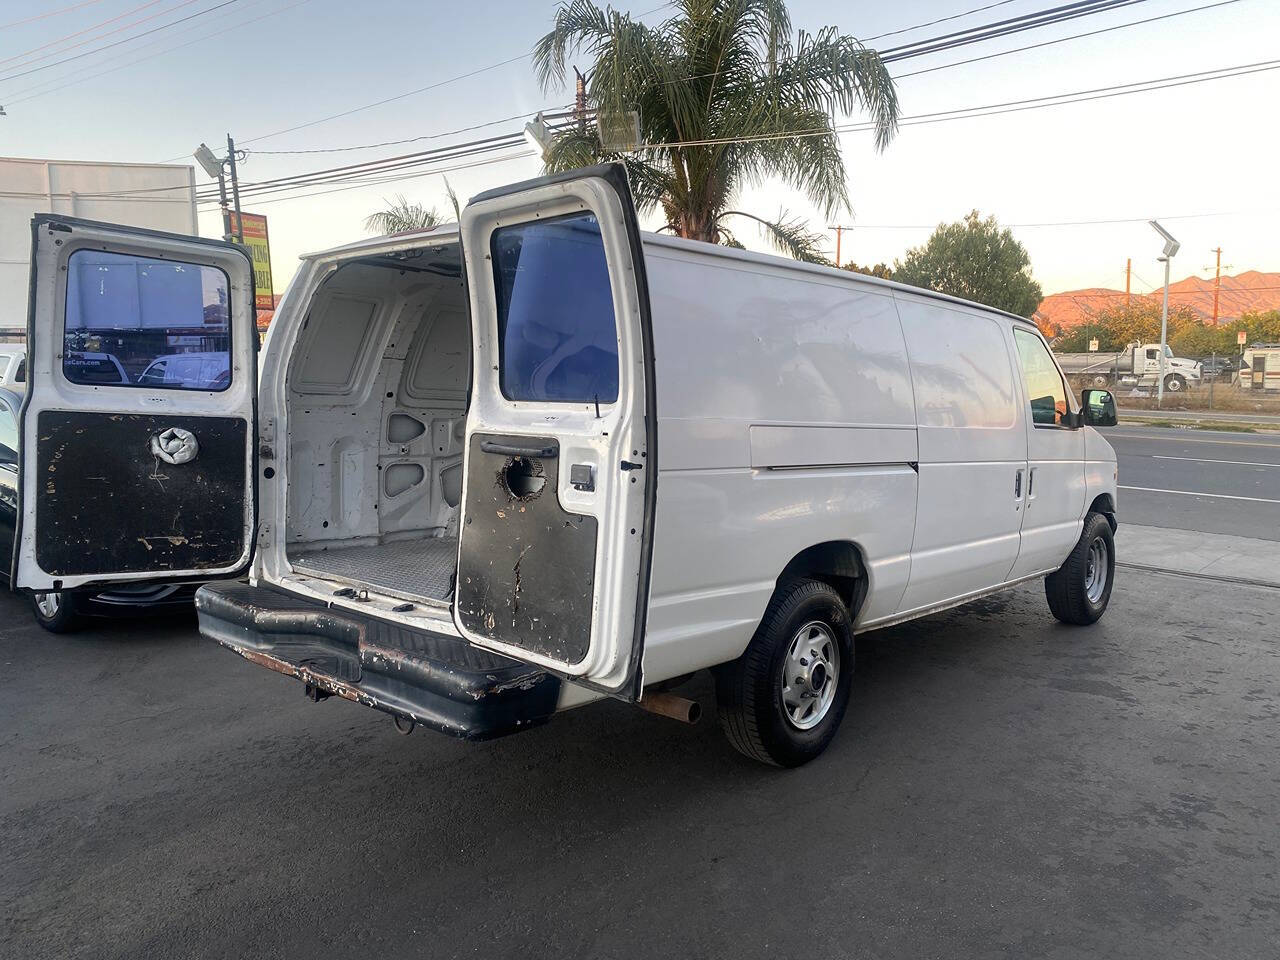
(1098, 408)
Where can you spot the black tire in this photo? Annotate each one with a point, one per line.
(1067, 588)
(1174, 384)
(61, 614)
(749, 690)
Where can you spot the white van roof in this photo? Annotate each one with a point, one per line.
(398, 241)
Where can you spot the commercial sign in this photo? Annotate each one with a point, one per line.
(254, 226)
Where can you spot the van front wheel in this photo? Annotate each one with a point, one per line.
(1079, 590)
(782, 701)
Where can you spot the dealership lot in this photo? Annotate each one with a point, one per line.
(1003, 785)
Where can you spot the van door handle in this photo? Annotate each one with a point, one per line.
(1017, 484)
(1031, 483)
(513, 450)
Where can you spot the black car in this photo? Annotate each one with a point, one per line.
(1220, 367)
(62, 611)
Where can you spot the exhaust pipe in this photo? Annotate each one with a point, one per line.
(669, 705)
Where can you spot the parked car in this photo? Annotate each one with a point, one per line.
(191, 371)
(56, 610)
(1217, 367)
(605, 461)
(13, 367)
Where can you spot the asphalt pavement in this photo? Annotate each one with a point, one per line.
(1202, 480)
(1003, 786)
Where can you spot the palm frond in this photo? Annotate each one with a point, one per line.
(788, 234)
(401, 215)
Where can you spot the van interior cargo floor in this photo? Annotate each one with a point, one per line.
(413, 569)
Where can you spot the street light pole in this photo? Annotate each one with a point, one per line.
(1170, 250)
(1164, 330)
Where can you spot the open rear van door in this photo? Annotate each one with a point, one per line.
(560, 473)
(129, 473)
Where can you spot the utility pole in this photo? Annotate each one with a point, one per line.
(216, 168)
(839, 234)
(580, 100)
(1217, 284)
(1128, 273)
(235, 187)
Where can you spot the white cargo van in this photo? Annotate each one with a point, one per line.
(490, 472)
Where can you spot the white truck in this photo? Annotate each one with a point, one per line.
(1136, 365)
(492, 471)
(152, 195)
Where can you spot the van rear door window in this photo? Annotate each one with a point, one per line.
(129, 319)
(557, 335)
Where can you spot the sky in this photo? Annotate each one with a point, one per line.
(1200, 157)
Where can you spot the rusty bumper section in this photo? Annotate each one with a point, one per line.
(433, 679)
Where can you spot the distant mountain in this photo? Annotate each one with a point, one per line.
(1245, 293)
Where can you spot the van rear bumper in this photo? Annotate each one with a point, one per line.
(439, 681)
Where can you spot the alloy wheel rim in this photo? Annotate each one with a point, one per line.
(48, 604)
(1095, 576)
(810, 675)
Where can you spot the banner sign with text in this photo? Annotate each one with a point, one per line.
(254, 226)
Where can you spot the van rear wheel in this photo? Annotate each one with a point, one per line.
(783, 699)
(56, 611)
(1079, 591)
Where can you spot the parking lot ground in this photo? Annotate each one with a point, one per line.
(1002, 786)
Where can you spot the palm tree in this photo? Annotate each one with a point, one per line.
(400, 216)
(725, 99)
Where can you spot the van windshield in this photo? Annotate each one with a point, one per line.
(557, 336)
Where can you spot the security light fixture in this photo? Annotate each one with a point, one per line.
(211, 164)
(539, 136)
(1171, 246)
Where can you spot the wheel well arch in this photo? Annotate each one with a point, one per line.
(837, 563)
(1105, 504)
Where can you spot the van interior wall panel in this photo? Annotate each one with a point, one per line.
(376, 431)
(112, 506)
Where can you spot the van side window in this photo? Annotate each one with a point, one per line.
(1044, 384)
(127, 315)
(557, 336)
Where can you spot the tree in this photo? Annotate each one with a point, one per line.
(881, 270)
(704, 81)
(977, 260)
(1116, 327)
(401, 216)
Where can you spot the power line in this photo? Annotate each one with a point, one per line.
(399, 178)
(131, 59)
(984, 32)
(116, 43)
(545, 112)
(903, 76)
(1074, 36)
(71, 36)
(954, 16)
(990, 31)
(47, 14)
(992, 109)
(400, 96)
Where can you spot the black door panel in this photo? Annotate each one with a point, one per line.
(107, 504)
(527, 567)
